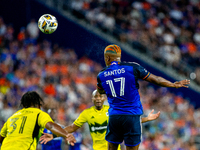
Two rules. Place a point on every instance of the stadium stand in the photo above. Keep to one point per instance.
(61, 77)
(167, 31)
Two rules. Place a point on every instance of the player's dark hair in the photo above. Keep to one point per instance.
(31, 98)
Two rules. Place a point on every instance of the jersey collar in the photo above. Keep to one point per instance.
(114, 63)
(99, 110)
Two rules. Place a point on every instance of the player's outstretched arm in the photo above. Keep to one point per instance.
(165, 83)
(57, 130)
(46, 137)
(151, 116)
(71, 128)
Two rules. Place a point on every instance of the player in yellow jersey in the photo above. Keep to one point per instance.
(97, 119)
(21, 130)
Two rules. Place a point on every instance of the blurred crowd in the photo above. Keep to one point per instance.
(66, 83)
(177, 128)
(166, 30)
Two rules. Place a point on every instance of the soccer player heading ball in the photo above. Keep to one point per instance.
(119, 81)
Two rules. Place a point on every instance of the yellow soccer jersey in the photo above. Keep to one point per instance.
(21, 130)
(97, 121)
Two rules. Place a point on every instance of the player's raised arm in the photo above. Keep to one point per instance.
(165, 83)
(56, 129)
(151, 116)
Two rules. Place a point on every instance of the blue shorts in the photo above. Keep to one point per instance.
(124, 127)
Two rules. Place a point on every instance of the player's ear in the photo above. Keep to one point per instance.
(107, 58)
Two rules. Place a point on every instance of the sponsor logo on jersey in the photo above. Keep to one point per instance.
(98, 128)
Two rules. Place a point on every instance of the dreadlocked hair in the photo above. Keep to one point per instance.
(31, 98)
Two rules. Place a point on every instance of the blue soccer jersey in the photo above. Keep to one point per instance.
(79, 138)
(120, 82)
(55, 144)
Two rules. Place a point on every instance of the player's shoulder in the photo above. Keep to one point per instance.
(36, 111)
(43, 114)
(17, 113)
(106, 107)
(129, 63)
(88, 110)
(103, 70)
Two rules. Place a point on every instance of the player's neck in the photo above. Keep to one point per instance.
(33, 107)
(98, 108)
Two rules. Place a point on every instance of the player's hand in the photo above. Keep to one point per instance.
(70, 139)
(182, 83)
(152, 116)
(46, 137)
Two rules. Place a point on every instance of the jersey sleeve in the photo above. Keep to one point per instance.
(43, 119)
(81, 119)
(4, 130)
(141, 72)
(99, 85)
